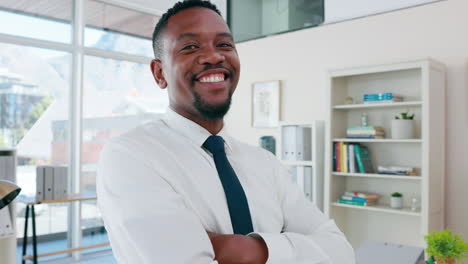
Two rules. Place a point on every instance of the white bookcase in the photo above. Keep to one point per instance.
(422, 84)
(317, 131)
(8, 172)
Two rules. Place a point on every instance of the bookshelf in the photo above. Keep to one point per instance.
(8, 172)
(316, 135)
(422, 84)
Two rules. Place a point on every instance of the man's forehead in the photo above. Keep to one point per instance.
(195, 21)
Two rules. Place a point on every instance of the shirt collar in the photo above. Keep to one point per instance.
(192, 130)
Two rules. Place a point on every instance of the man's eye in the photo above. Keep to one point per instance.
(190, 47)
(223, 45)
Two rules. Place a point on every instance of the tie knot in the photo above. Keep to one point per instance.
(214, 144)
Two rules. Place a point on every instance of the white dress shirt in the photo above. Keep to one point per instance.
(159, 193)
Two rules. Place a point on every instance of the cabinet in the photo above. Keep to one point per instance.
(422, 85)
(8, 216)
(310, 162)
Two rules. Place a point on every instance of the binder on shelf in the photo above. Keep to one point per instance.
(308, 182)
(48, 183)
(60, 187)
(303, 143)
(302, 176)
(289, 143)
(40, 187)
(6, 227)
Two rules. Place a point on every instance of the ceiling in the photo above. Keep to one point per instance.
(103, 14)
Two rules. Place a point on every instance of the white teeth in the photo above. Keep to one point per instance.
(213, 78)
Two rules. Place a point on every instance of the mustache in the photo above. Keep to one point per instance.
(213, 66)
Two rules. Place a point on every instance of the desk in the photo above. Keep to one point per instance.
(30, 203)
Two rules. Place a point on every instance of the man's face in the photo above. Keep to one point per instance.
(199, 63)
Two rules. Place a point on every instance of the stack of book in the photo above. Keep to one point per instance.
(359, 198)
(353, 158)
(381, 98)
(396, 170)
(372, 132)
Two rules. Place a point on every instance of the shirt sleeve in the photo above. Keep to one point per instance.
(308, 236)
(146, 219)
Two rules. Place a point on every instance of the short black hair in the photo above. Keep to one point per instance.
(162, 23)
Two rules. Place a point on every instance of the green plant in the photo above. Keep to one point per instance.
(445, 245)
(405, 116)
(397, 194)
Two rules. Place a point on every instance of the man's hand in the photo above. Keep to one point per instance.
(238, 249)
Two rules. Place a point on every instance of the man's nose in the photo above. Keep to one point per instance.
(211, 56)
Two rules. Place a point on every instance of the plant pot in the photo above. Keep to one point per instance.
(446, 261)
(396, 202)
(402, 129)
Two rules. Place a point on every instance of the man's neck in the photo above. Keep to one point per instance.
(212, 125)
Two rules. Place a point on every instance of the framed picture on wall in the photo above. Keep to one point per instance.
(266, 104)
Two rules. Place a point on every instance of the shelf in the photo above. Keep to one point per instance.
(378, 176)
(297, 162)
(380, 208)
(8, 236)
(385, 140)
(378, 105)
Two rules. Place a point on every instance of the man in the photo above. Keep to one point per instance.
(180, 190)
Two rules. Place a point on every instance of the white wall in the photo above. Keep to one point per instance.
(339, 10)
(300, 59)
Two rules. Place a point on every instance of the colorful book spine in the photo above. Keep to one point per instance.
(338, 156)
(362, 195)
(344, 156)
(334, 157)
(352, 202)
(357, 151)
(354, 198)
(366, 160)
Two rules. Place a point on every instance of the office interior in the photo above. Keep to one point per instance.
(59, 59)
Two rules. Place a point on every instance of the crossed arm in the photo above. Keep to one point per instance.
(238, 249)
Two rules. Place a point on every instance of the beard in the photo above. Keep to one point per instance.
(211, 112)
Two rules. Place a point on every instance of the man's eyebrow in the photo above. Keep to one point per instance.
(225, 34)
(193, 35)
(187, 35)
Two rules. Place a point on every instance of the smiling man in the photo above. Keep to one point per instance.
(181, 190)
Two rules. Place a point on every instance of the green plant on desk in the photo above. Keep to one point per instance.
(397, 194)
(446, 247)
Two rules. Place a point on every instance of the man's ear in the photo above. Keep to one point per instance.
(156, 69)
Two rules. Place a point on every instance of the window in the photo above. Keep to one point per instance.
(35, 97)
(259, 18)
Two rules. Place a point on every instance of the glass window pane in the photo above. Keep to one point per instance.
(260, 18)
(38, 19)
(34, 94)
(118, 29)
(131, 98)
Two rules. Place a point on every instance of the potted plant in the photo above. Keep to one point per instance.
(402, 127)
(396, 201)
(446, 247)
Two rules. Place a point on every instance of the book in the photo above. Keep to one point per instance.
(365, 128)
(353, 202)
(338, 156)
(363, 159)
(357, 151)
(359, 199)
(344, 157)
(334, 157)
(365, 137)
(366, 159)
(352, 167)
(363, 195)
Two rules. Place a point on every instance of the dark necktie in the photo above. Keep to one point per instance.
(235, 195)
